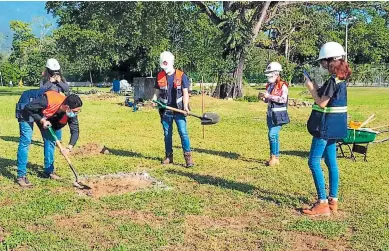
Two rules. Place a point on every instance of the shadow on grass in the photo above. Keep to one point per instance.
(302, 154)
(125, 153)
(224, 154)
(16, 139)
(262, 194)
(7, 164)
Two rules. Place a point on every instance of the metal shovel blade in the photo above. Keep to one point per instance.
(210, 118)
(79, 185)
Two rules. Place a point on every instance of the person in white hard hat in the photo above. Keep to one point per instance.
(53, 79)
(172, 89)
(276, 95)
(327, 124)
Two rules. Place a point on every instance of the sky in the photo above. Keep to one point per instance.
(24, 11)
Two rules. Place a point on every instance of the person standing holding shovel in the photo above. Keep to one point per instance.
(172, 89)
(327, 123)
(276, 96)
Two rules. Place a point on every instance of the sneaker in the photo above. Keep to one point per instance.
(23, 182)
(318, 209)
(52, 176)
(333, 204)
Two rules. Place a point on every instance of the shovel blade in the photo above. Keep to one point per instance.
(210, 118)
(81, 186)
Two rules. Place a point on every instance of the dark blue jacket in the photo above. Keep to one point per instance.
(26, 98)
(330, 122)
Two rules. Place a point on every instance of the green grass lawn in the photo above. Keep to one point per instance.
(229, 201)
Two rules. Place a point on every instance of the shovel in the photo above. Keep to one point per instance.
(208, 118)
(76, 183)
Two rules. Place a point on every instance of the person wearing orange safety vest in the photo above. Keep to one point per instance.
(48, 110)
(276, 96)
(172, 89)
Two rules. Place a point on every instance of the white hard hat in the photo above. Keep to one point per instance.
(273, 67)
(53, 64)
(168, 57)
(331, 50)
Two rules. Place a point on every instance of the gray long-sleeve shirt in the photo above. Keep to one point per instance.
(58, 87)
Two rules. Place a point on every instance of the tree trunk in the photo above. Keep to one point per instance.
(237, 90)
(90, 76)
(234, 89)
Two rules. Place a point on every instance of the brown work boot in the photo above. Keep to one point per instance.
(23, 182)
(52, 176)
(273, 161)
(168, 159)
(318, 209)
(188, 159)
(333, 204)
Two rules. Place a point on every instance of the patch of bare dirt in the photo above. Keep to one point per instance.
(88, 228)
(217, 233)
(90, 149)
(306, 242)
(116, 184)
(138, 217)
(99, 96)
(204, 222)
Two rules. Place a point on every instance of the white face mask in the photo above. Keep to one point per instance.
(167, 64)
(273, 78)
(169, 70)
(322, 70)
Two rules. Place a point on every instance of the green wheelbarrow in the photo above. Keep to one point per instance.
(358, 140)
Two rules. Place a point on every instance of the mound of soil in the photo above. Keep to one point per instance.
(90, 149)
(116, 184)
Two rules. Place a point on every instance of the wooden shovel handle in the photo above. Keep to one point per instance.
(58, 143)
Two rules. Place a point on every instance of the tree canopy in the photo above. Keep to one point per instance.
(228, 41)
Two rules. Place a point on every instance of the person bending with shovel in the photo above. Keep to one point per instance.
(51, 110)
(172, 89)
(276, 96)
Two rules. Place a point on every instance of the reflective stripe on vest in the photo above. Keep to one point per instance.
(54, 101)
(334, 109)
(278, 109)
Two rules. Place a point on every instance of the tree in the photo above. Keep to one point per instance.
(240, 22)
(29, 53)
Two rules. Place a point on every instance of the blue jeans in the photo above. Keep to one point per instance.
(167, 124)
(26, 130)
(274, 142)
(327, 149)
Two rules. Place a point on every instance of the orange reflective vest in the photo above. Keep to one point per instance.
(163, 87)
(54, 102)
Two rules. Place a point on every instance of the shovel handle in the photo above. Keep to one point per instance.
(58, 143)
(170, 108)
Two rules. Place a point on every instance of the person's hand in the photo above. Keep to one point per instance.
(263, 95)
(309, 84)
(46, 124)
(153, 103)
(186, 109)
(57, 78)
(65, 151)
